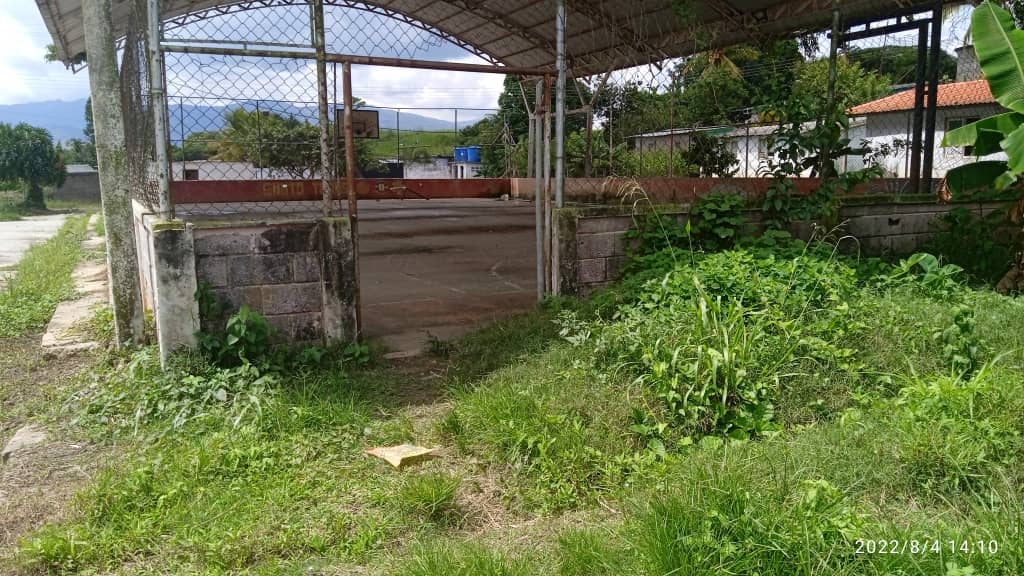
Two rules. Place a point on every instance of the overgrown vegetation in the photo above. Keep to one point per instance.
(773, 407)
(41, 280)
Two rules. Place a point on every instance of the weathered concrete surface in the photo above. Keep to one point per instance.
(18, 236)
(273, 267)
(338, 267)
(63, 336)
(174, 287)
(443, 268)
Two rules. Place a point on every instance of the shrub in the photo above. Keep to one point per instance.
(984, 246)
(718, 220)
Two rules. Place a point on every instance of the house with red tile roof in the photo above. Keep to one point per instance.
(885, 125)
(888, 122)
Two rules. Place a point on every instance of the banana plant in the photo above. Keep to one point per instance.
(1000, 47)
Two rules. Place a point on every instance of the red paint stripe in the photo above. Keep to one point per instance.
(223, 191)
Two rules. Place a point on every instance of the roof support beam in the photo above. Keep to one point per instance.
(611, 25)
(359, 60)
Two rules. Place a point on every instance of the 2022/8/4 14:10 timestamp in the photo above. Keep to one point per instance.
(927, 546)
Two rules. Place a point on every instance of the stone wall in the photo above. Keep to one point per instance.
(592, 240)
(274, 269)
(300, 274)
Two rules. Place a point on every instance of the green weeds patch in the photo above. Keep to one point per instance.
(42, 279)
(771, 409)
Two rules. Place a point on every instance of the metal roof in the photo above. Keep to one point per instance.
(602, 35)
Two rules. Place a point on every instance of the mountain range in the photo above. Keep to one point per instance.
(65, 119)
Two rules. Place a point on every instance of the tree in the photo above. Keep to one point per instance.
(284, 145)
(710, 156)
(899, 63)
(717, 97)
(28, 156)
(78, 151)
(999, 44)
(856, 85)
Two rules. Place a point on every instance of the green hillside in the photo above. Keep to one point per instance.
(414, 143)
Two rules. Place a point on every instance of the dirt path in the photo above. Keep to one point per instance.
(38, 482)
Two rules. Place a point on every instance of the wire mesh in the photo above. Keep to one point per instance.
(735, 111)
(255, 118)
(137, 110)
(716, 113)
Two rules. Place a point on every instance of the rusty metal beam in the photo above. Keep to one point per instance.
(359, 60)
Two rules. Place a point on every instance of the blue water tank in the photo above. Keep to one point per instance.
(473, 154)
(461, 154)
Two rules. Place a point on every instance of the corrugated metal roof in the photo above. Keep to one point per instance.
(950, 95)
(601, 35)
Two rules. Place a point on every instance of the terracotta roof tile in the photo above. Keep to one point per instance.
(953, 94)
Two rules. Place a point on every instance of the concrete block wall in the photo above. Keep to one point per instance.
(592, 241)
(275, 269)
(299, 274)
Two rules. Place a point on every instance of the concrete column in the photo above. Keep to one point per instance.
(110, 145)
(174, 286)
(338, 271)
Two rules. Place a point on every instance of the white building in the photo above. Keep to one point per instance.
(750, 144)
(884, 125)
(890, 122)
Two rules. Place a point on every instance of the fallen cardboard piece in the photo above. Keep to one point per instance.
(403, 454)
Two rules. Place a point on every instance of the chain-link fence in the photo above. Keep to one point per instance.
(243, 106)
(137, 110)
(251, 115)
(772, 107)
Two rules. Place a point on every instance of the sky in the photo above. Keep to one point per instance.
(27, 78)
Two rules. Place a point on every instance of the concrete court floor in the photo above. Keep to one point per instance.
(442, 267)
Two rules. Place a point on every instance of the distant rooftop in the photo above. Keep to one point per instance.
(950, 95)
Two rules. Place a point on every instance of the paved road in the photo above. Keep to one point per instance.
(16, 237)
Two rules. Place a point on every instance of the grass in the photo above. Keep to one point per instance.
(430, 497)
(42, 279)
(415, 143)
(560, 454)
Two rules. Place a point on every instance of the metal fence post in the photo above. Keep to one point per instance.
(538, 190)
(158, 104)
(560, 24)
(928, 164)
(326, 163)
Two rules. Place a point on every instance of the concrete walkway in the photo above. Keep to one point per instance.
(16, 237)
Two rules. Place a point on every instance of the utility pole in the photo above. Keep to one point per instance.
(104, 85)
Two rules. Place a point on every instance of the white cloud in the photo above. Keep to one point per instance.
(26, 77)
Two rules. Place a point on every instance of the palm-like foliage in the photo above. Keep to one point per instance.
(1000, 47)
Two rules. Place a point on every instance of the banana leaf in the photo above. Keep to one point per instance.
(985, 135)
(969, 178)
(1000, 48)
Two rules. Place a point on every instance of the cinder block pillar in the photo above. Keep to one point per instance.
(174, 286)
(338, 266)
